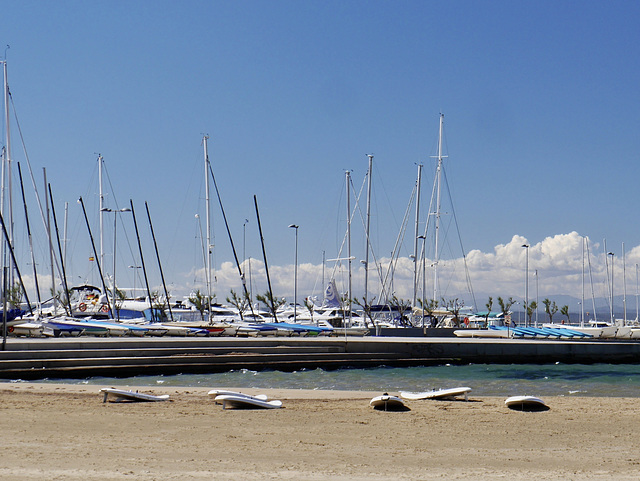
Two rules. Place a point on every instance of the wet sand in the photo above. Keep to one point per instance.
(66, 432)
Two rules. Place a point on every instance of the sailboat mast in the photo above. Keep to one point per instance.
(415, 240)
(438, 205)
(624, 287)
(101, 209)
(6, 174)
(26, 217)
(205, 138)
(48, 227)
(348, 179)
(366, 254)
(582, 303)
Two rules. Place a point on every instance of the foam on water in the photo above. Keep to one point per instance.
(619, 380)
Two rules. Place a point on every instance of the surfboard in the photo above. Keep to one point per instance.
(122, 395)
(438, 394)
(387, 402)
(244, 401)
(526, 403)
(221, 392)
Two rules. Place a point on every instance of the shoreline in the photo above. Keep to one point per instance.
(65, 431)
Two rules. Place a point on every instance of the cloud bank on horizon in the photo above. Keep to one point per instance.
(555, 267)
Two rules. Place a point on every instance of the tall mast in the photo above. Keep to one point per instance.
(366, 254)
(417, 233)
(51, 254)
(6, 171)
(437, 213)
(26, 218)
(582, 300)
(208, 220)
(624, 287)
(348, 179)
(100, 209)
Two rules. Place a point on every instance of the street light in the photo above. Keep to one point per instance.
(115, 223)
(526, 285)
(295, 277)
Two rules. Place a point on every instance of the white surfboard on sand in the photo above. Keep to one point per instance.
(245, 401)
(438, 394)
(525, 403)
(221, 392)
(122, 395)
(386, 402)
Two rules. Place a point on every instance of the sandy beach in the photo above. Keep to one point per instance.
(66, 432)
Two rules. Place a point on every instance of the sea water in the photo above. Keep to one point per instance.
(612, 380)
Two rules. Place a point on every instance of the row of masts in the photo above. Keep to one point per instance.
(418, 235)
(7, 207)
(57, 260)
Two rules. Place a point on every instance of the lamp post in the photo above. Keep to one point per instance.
(295, 277)
(115, 223)
(526, 286)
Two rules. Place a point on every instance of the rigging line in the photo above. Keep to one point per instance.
(33, 182)
(368, 243)
(233, 247)
(64, 274)
(396, 249)
(15, 264)
(399, 240)
(117, 207)
(593, 296)
(455, 220)
(28, 225)
(386, 196)
(344, 238)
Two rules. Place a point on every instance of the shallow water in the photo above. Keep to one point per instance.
(611, 380)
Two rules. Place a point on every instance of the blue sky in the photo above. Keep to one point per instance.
(541, 120)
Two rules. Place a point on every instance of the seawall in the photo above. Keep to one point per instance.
(123, 357)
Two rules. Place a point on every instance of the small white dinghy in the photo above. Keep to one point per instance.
(122, 395)
(245, 401)
(450, 393)
(386, 402)
(526, 403)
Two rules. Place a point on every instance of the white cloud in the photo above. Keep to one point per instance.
(555, 268)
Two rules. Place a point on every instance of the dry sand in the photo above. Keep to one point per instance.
(65, 432)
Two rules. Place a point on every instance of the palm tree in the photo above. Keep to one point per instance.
(564, 310)
(506, 308)
(402, 306)
(454, 306)
(272, 303)
(550, 308)
(366, 307)
(200, 302)
(428, 308)
(529, 309)
(239, 302)
(488, 305)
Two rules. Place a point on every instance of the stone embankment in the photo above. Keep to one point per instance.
(84, 357)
